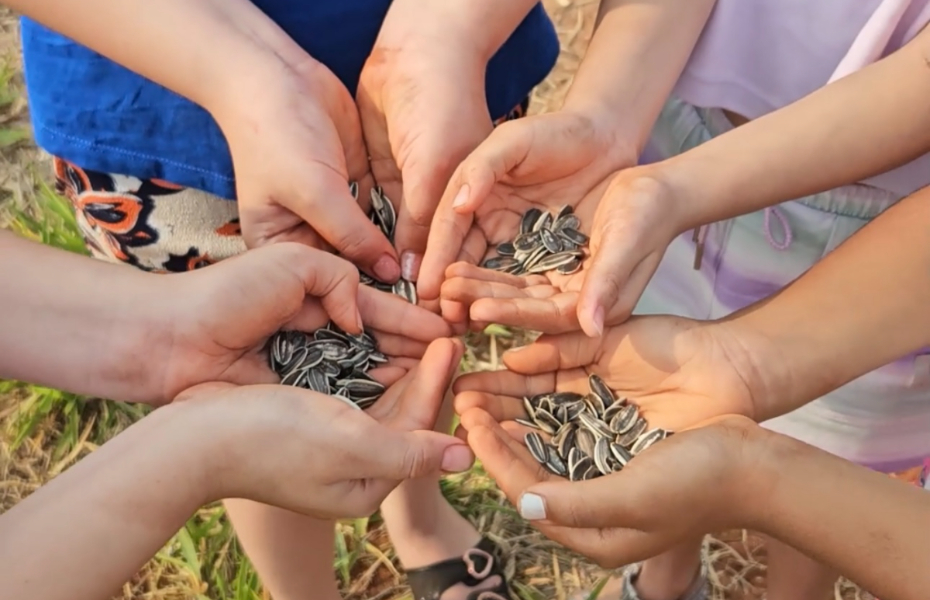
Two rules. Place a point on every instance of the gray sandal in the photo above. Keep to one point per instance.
(698, 590)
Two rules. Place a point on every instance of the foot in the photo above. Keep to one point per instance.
(475, 575)
(635, 586)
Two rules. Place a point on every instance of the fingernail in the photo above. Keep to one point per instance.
(532, 507)
(457, 458)
(410, 265)
(599, 320)
(358, 320)
(462, 197)
(387, 269)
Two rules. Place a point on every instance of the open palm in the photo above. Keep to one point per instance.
(676, 370)
(544, 161)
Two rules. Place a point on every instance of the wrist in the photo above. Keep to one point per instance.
(764, 459)
(761, 362)
(475, 29)
(196, 437)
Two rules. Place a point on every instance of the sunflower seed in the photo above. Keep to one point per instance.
(550, 241)
(629, 438)
(506, 249)
(592, 435)
(556, 464)
(602, 456)
(585, 441)
(537, 447)
(646, 440)
(500, 263)
(529, 219)
(625, 420)
(546, 421)
(621, 454)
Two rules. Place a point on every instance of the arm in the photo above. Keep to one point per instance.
(826, 508)
(866, 302)
(101, 520)
(857, 127)
(215, 40)
(477, 28)
(64, 304)
(98, 522)
(638, 51)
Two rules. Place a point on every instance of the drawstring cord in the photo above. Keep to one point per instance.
(700, 234)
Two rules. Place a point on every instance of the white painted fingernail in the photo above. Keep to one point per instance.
(532, 507)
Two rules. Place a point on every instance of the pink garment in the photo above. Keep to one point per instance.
(756, 56)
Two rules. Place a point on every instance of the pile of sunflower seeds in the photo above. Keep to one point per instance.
(384, 216)
(330, 361)
(547, 242)
(591, 435)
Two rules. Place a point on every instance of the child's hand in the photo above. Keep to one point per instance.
(320, 456)
(635, 220)
(679, 372)
(296, 142)
(423, 109)
(220, 318)
(693, 483)
(547, 161)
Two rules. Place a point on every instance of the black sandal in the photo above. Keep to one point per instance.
(475, 566)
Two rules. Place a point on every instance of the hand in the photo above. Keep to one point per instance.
(220, 318)
(320, 456)
(544, 161)
(633, 225)
(423, 108)
(693, 483)
(679, 372)
(296, 143)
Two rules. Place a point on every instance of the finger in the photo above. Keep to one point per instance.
(552, 353)
(631, 293)
(311, 317)
(474, 247)
(447, 233)
(510, 464)
(388, 375)
(499, 406)
(506, 383)
(430, 380)
(460, 289)
(331, 279)
(500, 153)
(401, 455)
(391, 314)
(326, 203)
(395, 345)
(554, 315)
(203, 390)
(455, 314)
(616, 243)
(473, 271)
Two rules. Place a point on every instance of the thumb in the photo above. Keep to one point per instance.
(411, 455)
(331, 279)
(595, 503)
(615, 253)
(471, 183)
(501, 152)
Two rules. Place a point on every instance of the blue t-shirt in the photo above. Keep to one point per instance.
(88, 110)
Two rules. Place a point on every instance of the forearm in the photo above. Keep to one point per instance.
(864, 524)
(201, 47)
(478, 27)
(857, 127)
(96, 524)
(638, 52)
(862, 306)
(77, 324)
